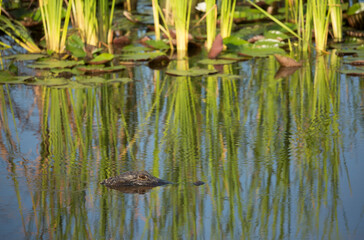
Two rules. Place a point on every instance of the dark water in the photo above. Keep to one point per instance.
(281, 158)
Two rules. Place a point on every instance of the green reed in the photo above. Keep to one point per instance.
(211, 18)
(55, 35)
(336, 19)
(321, 20)
(182, 13)
(93, 19)
(19, 34)
(226, 17)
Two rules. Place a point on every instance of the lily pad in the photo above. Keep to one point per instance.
(354, 72)
(90, 80)
(49, 82)
(75, 45)
(260, 51)
(119, 80)
(274, 34)
(193, 72)
(233, 56)
(140, 56)
(25, 57)
(52, 63)
(100, 68)
(7, 77)
(269, 42)
(234, 40)
(216, 61)
(157, 44)
(102, 58)
(133, 48)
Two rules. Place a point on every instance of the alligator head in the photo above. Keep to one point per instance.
(134, 179)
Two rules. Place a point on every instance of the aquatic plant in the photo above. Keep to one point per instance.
(227, 9)
(84, 15)
(55, 35)
(336, 19)
(321, 23)
(211, 17)
(18, 33)
(93, 20)
(182, 13)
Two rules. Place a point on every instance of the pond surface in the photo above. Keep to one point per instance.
(281, 158)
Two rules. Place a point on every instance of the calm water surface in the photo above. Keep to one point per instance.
(281, 158)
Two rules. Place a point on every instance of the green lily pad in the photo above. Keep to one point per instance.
(354, 72)
(216, 61)
(75, 45)
(268, 43)
(119, 80)
(193, 72)
(260, 51)
(49, 82)
(73, 71)
(7, 77)
(90, 79)
(145, 56)
(275, 34)
(52, 63)
(25, 57)
(233, 56)
(157, 44)
(100, 68)
(356, 8)
(133, 48)
(234, 40)
(102, 58)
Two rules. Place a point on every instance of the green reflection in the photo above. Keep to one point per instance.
(270, 152)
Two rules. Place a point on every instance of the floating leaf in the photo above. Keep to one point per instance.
(7, 77)
(354, 72)
(100, 68)
(233, 56)
(145, 56)
(275, 34)
(75, 45)
(49, 82)
(216, 61)
(193, 72)
(255, 51)
(90, 79)
(52, 63)
(133, 48)
(157, 44)
(102, 58)
(25, 57)
(119, 80)
(269, 42)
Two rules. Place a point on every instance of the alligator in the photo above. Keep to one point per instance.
(137, 182)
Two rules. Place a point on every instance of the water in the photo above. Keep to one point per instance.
(282, 159)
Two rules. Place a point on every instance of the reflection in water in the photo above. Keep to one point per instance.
(270, 151)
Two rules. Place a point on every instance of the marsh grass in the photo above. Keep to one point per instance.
(55, 35)
(182, 14)
(321, 19)
(226, 17)
(211, 18)
(19, 34)
(336, 19)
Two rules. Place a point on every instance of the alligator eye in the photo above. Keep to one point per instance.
(142, 177)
